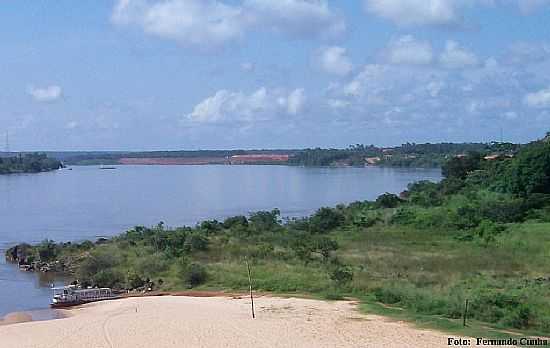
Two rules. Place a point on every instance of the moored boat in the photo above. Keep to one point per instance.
(71, 295)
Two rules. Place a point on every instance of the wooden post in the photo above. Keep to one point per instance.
(250, 288)
(465, 313)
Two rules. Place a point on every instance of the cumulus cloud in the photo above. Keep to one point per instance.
(295, 101)
(211, 23)
(407, 50)
(299, 18)
(456, 57)
(262, 105)
(540, 99)
(334, 60)
(46, 94)
(417, 12)
(193, 22)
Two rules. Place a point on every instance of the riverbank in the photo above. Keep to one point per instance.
(177, 321)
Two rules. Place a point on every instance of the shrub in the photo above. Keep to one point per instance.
(425, 193)
(95, 262)
(341, 274)
(326, 219)
(47, 250)
(108, 278)
(459, 167)
(235, 220)
(194, 275)
(388, 200)
(151, 265)
(195, 241)
(135, 281)
(264, 220)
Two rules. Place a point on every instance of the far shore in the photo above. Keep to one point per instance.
(207, 319)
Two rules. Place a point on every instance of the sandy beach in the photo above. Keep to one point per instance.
(178, 321)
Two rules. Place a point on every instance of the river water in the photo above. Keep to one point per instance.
(87, 203)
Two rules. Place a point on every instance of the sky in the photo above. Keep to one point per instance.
(228, 74)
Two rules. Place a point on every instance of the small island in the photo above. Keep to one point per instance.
(28, 163)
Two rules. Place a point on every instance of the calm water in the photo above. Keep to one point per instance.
(87, 203)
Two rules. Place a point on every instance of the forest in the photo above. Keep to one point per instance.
(28, 163)
(482, 234)
(407, 155)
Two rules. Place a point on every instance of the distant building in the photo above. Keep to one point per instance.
(372, 160)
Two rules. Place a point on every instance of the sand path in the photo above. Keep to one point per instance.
(176, 321)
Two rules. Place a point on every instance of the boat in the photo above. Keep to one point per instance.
(106, 167)
(71, 295)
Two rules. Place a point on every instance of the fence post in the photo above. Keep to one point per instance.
(465, 313)
(250, 288)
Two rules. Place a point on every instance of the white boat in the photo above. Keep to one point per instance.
(71, 295)
(106, 167)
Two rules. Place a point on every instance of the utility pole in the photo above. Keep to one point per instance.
(7, 142)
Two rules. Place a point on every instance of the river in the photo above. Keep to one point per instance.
(88, 203)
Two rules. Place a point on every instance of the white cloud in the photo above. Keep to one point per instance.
(338, 103)
(298, 18)
(71, 125)
(456, 57)
(295, 101)
(211, 23)
(417, 12)
(434, 88)
(262, 105)
(407, 50)
(248, 67)
(190, 22)
(46, 94)
(334, 60)
(540, 99)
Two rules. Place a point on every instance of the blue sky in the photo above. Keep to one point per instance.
(207, 74)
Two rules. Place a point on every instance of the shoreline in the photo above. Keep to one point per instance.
(35, 315)
(26, 316)
(219, 319)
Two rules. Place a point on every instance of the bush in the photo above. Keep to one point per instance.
(326, 219)
(47, 250)
(235, 220)
(135, 281)
(195, 242)
(264, 220)
(211, 226)
(425, 193)
(97, 261)
(194, 275)
(341, 275)
(151, 265)
(388, 200)
(108, 278)
(460, 167)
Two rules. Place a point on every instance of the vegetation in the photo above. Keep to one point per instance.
(482, 234)
(28, 163)
(406, 155)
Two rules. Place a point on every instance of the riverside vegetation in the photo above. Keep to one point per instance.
(28, 163)
(482, 234)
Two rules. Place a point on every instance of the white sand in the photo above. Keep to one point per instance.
(177, 321)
